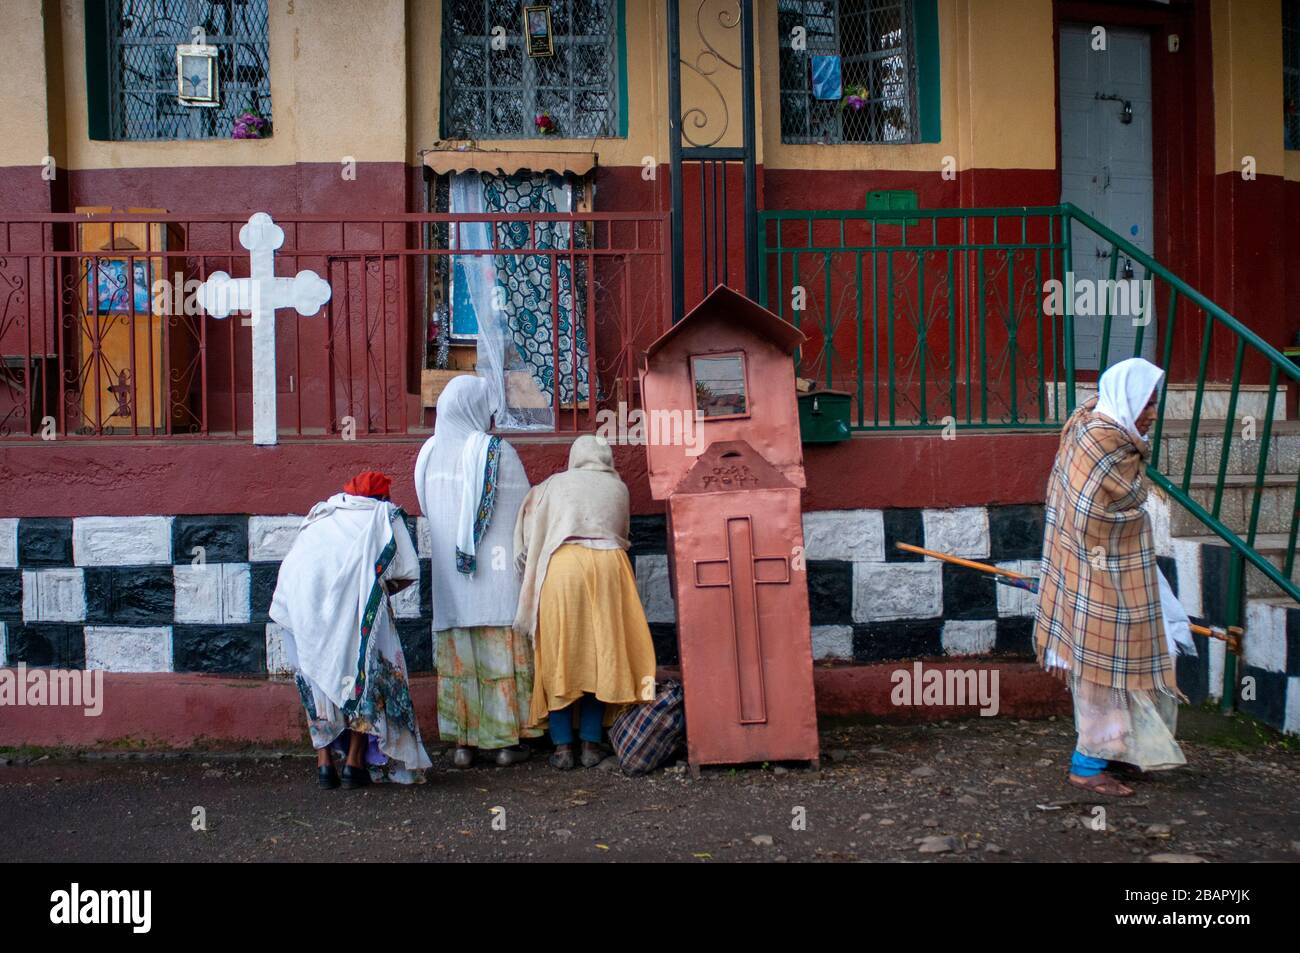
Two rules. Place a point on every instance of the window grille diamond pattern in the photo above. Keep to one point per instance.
(1291, 73)
(490, 93)
(143, 35)
(876, 43)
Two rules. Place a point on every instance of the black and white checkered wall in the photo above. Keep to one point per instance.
(191, 594)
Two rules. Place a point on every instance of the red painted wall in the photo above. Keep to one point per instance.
(134, 478)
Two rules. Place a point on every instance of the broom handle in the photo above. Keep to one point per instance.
(985, 567)
(958, 561)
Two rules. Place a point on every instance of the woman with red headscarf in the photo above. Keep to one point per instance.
(333, 598)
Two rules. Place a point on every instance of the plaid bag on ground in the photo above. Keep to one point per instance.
(646, 736)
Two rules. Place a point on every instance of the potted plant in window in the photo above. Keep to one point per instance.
(250, 124)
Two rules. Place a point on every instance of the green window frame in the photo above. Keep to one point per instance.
(889, 46)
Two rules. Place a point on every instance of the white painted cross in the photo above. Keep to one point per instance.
(261, 295)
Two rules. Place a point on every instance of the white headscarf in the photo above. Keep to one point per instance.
(1125, 388)
(449, 481)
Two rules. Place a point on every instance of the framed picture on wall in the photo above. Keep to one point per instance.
(537, 28)
(196, 75)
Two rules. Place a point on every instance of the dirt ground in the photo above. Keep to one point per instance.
(978, 791)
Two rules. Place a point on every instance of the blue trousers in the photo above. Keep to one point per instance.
(1086, 767)
(591, 712)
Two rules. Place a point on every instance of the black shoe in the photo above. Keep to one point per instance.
(354, 778)
(327, 777)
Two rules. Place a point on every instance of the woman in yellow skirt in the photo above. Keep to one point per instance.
(579, 602)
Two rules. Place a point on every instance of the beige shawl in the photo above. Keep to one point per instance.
(587, 501)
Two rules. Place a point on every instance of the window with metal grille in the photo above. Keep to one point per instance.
(142, 36)
(492, 88)
(1291, 73)
(876, 44)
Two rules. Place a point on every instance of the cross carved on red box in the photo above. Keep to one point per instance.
(751, 570)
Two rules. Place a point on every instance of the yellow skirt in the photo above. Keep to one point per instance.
(592, 634)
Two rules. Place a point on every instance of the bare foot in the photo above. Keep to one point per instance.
(1101, 784)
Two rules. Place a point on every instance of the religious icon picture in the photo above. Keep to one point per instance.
(113, 293)
(196, 75)
(537, 27)
(720, 385)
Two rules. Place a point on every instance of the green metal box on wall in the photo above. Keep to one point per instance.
(904, 200)
(824, 416)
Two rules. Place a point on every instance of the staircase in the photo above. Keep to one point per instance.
(1198, 563)
(1226, 511)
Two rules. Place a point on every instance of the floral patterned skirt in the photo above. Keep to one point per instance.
(485, 685)
(384, 712)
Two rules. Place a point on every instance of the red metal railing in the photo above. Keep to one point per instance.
(101, 335)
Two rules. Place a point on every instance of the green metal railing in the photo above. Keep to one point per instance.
(931, 320)
(942, 318)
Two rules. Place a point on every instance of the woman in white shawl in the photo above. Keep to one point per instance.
(471, 484)
(332, 599)
(580, 602)
(1108, 622)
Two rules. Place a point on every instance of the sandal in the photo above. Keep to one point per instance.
(562, 759)
(592, 754)
(515, 754)
(1102, 784)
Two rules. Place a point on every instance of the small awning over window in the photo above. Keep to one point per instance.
(446, 161)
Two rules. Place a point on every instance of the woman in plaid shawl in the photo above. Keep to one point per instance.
(1100, 625)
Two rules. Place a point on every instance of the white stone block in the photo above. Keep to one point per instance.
(8, 544)
(122, 540)
(856, 535)
(832, 642)
(1291, 717)
(211, 593)
(963, 531)
(1157, 507)
(969, 636)
(883, 591)
(1217, 654)
(280, 657)
(54, 595)
(423, 538)
(406, 604)
(1013, 601)
(1187, 562)
(653, 584)
(1265, 643)
(127, 648)
(269, 537)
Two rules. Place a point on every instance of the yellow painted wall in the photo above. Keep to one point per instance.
(363, 80)
(986, 50)
(338, 88)
(1247, 51)
(24, 108)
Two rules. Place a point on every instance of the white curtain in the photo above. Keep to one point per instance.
(497, 352)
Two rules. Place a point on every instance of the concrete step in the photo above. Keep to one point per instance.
(1252, 400)
(1277, 504)
(1243, 454)
(1272, 546)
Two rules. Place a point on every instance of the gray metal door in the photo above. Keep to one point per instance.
(1106, 170)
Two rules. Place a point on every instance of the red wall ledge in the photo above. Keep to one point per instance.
(199, 477)
(207, 711)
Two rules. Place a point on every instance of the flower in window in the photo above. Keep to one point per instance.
(250, 125)
(545, 124)
(855, 98)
